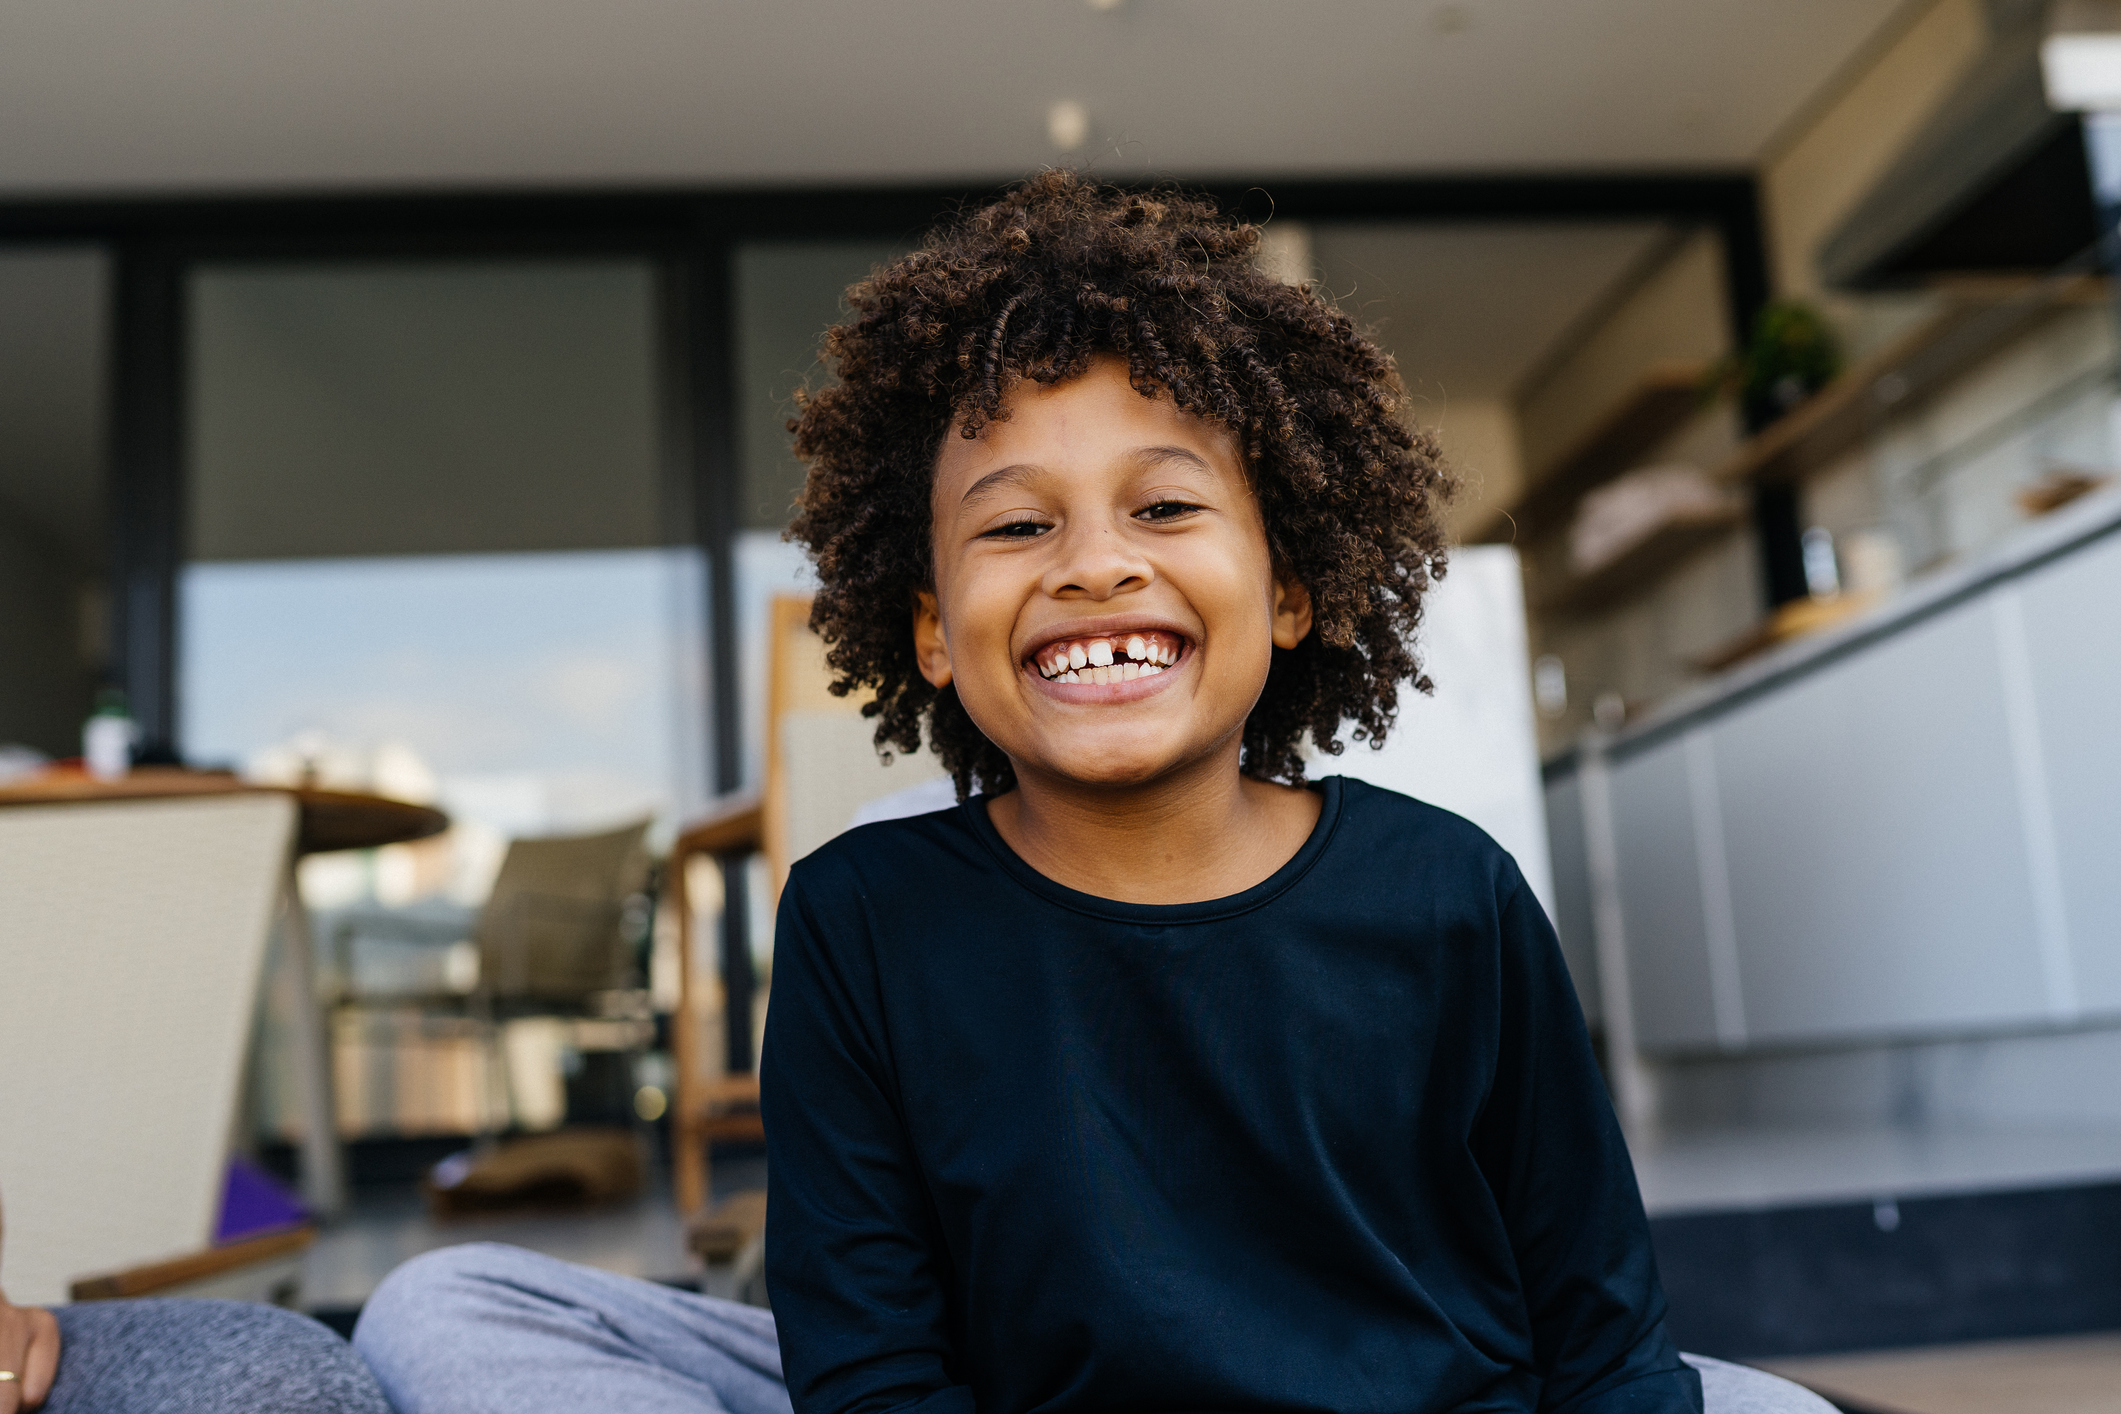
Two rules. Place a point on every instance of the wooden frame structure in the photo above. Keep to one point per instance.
(806, 796)
(705, 1109)
(710, 1108)
(236, 1261)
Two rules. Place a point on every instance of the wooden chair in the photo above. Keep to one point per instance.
(132, 939)
(550, 937)
(550, 930)
(821, 766)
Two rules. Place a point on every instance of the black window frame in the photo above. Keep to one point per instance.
(691, 236)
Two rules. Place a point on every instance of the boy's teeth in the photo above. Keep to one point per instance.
(1104, 660)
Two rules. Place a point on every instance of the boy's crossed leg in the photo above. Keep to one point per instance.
(484, 1327)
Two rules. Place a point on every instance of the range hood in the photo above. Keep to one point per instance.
(1995, 183)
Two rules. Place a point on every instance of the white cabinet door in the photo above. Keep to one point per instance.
(1878, 871)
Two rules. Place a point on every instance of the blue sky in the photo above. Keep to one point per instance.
(553, 664)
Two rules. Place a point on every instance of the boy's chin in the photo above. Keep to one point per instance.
(1101, 767)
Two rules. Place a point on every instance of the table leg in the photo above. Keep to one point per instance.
(323, 1164)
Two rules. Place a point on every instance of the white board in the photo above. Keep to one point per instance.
(132, 934)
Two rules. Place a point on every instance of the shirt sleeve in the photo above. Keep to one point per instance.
(855, 1264)
(1553, 1154)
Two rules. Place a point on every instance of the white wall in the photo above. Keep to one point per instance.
(1473, 747)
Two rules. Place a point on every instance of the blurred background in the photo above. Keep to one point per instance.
(392, 404)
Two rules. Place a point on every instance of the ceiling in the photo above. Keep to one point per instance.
(109, 97)
(1470, 310)
(118, 96)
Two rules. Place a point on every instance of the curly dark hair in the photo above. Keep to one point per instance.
(1059, 270)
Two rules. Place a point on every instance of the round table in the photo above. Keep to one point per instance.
(328, 820)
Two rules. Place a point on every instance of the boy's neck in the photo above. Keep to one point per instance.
(1202, 832)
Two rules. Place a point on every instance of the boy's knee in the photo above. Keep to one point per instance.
(422, 1298)
(446, 1270)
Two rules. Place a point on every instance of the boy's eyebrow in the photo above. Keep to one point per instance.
(1156, 456)
(1020, 472)
(996, 480)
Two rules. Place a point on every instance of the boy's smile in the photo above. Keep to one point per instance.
(1105, 600)
(1106, 654)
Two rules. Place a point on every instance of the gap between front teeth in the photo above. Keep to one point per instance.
(1094, 660)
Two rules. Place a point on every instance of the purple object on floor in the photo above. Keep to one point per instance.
(253, 1202)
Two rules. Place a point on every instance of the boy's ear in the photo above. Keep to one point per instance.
(930, 649)
(1292, 612)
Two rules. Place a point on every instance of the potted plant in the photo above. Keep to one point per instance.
(1792, 354)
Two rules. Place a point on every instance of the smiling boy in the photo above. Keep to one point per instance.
(1150, 1077)
(1112, 608)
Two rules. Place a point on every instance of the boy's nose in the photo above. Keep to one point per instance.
(1097, 564)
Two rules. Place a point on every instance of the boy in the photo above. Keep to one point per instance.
(1148, 1077)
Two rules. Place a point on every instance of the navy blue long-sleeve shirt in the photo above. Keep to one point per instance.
(1333, 1143)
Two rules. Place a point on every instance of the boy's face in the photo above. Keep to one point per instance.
(1104, 598)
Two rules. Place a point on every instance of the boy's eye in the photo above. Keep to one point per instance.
(1016, 530)
(1165, 510)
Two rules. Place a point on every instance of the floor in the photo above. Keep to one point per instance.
(1768, 1169)
(643, 1238)
(2063, 1375)
(1719, 1170)
(2068, 1375)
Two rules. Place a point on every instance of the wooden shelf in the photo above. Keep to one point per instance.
(1662, 399)
(1975, 321)
(1643, 564)
(1793, 620)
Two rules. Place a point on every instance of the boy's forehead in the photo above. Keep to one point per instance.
(1095, 416)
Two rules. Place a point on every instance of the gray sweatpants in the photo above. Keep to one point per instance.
(484, 1327)
(487, 1329)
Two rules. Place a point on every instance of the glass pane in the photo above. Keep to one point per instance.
(430, 552)
(423, 409)
(54, 311)
(787, 295)
(542, 692)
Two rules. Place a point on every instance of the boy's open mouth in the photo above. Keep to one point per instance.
(1108, 658)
